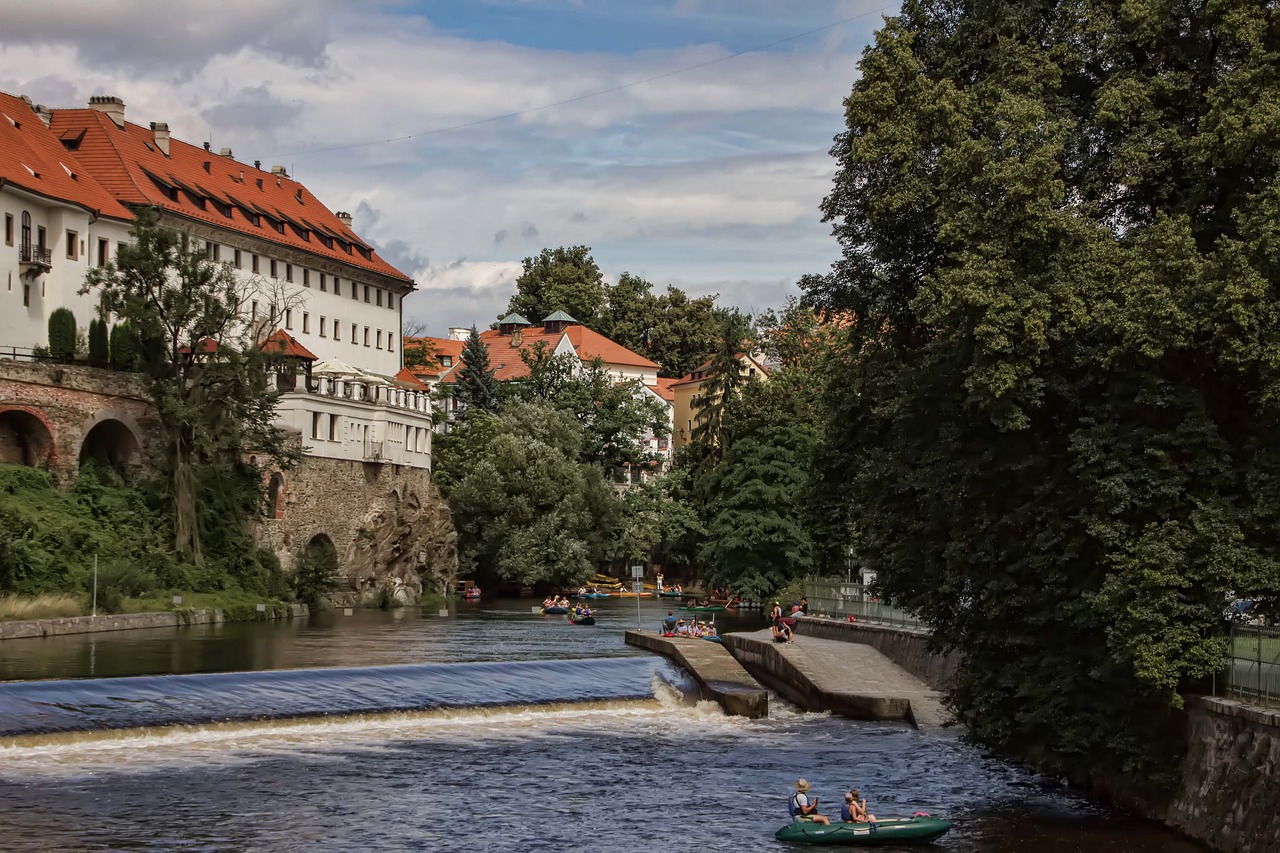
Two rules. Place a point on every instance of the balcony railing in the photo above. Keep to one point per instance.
(31, 255)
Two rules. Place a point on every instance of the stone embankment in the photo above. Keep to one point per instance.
(36, 628)
(846, 678)
(719, 676)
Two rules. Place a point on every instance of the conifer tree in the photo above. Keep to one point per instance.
(476, 387)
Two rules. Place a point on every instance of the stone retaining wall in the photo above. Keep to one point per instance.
(35, 628)
(907, 647)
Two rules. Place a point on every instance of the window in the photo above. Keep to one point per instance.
(337, 286)
(379, 295)
(73, 240)
(275, 273)
(389, 347)
(390, 300)
(316, 419)
(288, 272)
(355, 294)
(8, 229)
(288, 318)
(333, 427)
(366, 293)
(104, 251)
(255, 263)
(323, 286)
(238, 260)
(322, 326)
(446, 361)
(337, 329)
(306, 278)
(253, 310)
(26, 294)
(306, 323)
(366, 335)
(379, 339)
(355, 330)
(211, 250)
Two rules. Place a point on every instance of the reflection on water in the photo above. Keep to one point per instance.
(606, 773)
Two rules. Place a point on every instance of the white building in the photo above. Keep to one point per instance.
(76, 175)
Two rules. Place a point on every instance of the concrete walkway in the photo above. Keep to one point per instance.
(845, 678)
(718, 674)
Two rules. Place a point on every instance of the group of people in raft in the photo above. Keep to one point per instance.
(804, 807)
(673, 627)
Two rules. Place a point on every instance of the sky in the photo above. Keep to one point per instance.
(401, 112)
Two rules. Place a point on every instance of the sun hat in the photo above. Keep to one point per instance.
(802, 785)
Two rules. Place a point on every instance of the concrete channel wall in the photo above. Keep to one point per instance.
(907, 647)
(36, 628)
(719, 676)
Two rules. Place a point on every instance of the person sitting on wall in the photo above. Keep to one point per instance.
(804, 604)
(782, 633)
(682, 630)
(669, 625)
(802, 807)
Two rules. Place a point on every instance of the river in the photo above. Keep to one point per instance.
(490, 729)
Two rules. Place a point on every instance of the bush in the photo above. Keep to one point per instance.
(62, 335)
(124, 347)
(118, 581)
(98, 347)
(314, 575)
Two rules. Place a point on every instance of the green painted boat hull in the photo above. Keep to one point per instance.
(917, 830)
(715, 608)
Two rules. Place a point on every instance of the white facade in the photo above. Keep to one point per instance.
(360, 421)
(73, 241)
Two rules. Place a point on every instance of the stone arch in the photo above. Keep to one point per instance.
(111, 443)
(25, 437)
(275, 496)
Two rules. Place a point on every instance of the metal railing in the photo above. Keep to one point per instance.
(30, 253)
(1253, 664)
(834, 597)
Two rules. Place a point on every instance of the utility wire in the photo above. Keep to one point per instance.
(588, 95)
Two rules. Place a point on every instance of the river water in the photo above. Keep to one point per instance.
(490, 729)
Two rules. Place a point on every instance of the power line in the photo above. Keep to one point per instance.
(588, 95)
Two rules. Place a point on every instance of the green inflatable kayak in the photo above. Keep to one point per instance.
(884, 833)
(710, 608)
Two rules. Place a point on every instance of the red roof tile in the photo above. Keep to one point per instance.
(505, 361)
(664, 390)
(440, 347)
(282, 343)
(407, 378)
(194, 183)
(32, 157)
(207, 346)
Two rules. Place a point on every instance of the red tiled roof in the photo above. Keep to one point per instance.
(207, 346)
(407, 378)
(129, 164)
(440, 347)
(505, 361)
(282, 343)
(664, 390)
(27, 147)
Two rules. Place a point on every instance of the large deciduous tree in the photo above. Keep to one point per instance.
(206, 375)
(1057, 434)
(560, 279)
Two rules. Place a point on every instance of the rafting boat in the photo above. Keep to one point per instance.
(883, 833)
(582, 620)
(667, 594)
(710, 608)
(555, 610)
(594, 595)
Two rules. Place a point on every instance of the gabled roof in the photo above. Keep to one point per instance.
(440, 347)
(504, 355)
(664, 390)
(197, 184)
(282, 343)
(34, 159)
(404, 377)
(559, 317)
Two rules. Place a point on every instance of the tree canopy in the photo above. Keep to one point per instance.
(476, 388)
(560, 279)
(1056, 431)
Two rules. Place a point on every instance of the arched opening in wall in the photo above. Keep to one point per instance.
(110, 445)
(24, 439)
(275, 496)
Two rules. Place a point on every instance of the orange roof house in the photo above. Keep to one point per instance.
(445, 353)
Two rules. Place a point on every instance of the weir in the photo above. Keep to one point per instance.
(719, 676)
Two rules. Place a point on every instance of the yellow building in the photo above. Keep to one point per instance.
(689, 396)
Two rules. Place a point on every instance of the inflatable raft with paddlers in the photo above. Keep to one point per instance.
(582, 620)
(890, 832)
(709, 608)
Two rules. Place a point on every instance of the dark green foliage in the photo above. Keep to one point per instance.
(124, 347)
(98, 348)
(727, 376)
(476, 388)
(62, 335)
(1058, 438)
(560, 279)
(315, 574)
(671, 329)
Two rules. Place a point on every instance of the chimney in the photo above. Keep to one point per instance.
(257, 164)
(458, 333)
(225, 152)
(344, 217)
(208, 146)
(111, 105)
(517, 337)
(160, 130)
(44, 113)
(279, 171)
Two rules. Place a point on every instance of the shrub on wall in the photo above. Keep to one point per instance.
(62, 336)
(124, 347)
(98, 348)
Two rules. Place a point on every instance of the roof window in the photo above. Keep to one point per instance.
(70, 174)
(11, 121)
(33, 172)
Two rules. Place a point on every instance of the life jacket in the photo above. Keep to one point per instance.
(844, 813)
(793, 807)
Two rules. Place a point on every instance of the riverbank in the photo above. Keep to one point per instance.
(37, 628)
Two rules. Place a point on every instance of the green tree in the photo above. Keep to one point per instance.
(476, 388)
(726, 376)
(560, 279)
(206, 377)
(1057, 423)
(671, 329)
(99, 350)
(124, 349)
(62, 335)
